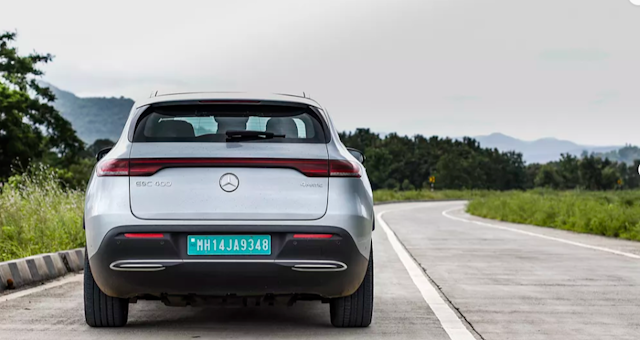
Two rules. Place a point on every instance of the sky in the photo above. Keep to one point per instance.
(568, 69)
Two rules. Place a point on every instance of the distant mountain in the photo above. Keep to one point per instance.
(539, 151)
(93, 117)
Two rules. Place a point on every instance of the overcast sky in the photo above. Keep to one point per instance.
(539, 68)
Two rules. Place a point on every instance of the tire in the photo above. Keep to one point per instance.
(355, 310)
(101, 310)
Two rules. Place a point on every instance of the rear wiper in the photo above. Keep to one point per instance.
(244, 135)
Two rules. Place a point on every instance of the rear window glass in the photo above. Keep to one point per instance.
(213, 123)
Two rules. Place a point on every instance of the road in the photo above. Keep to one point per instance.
(482, 279)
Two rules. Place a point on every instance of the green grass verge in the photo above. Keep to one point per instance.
(614, 214)
(37, 216)
(380, 196)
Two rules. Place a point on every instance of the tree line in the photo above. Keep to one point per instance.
(406, 163)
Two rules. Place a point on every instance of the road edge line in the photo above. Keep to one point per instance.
(449, 320)
(445, 213)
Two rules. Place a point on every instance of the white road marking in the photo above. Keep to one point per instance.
(19, 294)
(578, 244)
(448, 318)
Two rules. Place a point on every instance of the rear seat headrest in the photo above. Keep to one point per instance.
(174, 128)
(283, 126)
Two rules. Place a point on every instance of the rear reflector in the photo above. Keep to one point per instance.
(143, 235)
(312, 236)
(149, 166)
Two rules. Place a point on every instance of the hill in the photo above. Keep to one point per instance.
(539, 151)
(93, 117)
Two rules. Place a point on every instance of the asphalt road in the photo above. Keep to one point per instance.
(486, 280)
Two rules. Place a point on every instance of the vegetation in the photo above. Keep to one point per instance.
(30, 128)
(385, 195)
(628, 154)
(38, 216)
(406, 163)
(614, 214)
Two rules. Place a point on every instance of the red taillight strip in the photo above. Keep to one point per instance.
(113, 167)
(340, 168)
(308, 167)
(312, 236)
(143, 235)
(149, 166)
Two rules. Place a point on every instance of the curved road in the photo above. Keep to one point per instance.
(440, 274)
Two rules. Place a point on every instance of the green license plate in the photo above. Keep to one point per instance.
(229, 245)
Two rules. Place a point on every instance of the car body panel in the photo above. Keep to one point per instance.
(197, 193)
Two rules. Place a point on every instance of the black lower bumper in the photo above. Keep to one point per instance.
(134, 267)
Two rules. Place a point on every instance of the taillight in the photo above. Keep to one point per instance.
(308, 167)
(341, 168)
(113, 167)
(149, 166)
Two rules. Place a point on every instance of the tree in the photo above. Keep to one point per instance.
(548, 177)
(99, 144)
(30, 128)
(590, 170)
(569, 170)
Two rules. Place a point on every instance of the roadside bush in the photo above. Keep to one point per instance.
(38, 216)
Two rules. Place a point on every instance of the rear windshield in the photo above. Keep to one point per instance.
(211, 123)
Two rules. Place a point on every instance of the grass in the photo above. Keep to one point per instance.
(614, 214)
(380, 196)
(37, 216)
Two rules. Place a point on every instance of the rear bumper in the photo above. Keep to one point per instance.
(131, 267)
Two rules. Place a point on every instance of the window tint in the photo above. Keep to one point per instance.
(210, 123)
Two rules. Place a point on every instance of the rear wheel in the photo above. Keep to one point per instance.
(355, 310)
(101, 310)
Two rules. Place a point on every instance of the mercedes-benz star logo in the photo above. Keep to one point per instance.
(229, 182)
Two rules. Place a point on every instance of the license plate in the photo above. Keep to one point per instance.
(229, 245)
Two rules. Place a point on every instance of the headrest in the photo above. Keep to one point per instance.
(283, 126)
(231, 123)
(174, 128)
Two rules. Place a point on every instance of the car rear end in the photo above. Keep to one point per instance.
(214, 199)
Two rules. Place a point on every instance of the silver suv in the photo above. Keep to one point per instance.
(229, 198)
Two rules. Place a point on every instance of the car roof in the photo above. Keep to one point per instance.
(188, 96)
